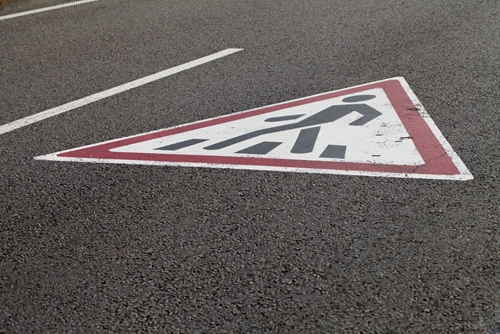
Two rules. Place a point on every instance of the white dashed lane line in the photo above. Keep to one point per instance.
(40, 10)
(112, 91)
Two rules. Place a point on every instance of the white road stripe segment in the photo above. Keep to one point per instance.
(35, 11)
(112, 91)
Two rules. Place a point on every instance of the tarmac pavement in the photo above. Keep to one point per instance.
(87, 247)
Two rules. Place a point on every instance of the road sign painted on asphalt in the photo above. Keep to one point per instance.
(376, 129)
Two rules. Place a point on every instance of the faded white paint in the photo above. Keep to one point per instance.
(380, 141)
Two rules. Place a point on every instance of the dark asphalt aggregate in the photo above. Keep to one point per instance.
(103, 248)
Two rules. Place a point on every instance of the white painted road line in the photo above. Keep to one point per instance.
(35, 11)
(112, 91)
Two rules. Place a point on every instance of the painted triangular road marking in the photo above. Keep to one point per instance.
(376, 129)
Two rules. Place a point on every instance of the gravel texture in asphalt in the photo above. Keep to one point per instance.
(125, 248)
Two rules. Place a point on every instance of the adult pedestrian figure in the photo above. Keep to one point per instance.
(310, 126)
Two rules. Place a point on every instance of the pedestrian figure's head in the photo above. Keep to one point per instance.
(358, 98)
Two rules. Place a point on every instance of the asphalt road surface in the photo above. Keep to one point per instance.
(97, 248)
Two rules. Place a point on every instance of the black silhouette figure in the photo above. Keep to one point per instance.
(310, 129)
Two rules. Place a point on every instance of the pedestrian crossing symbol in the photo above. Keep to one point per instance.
(376, 129)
